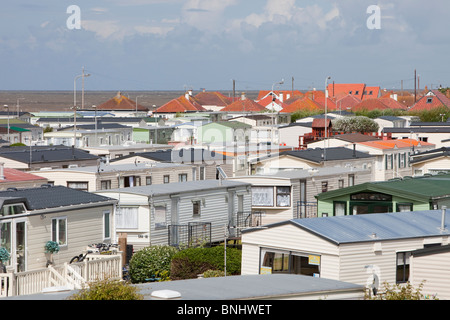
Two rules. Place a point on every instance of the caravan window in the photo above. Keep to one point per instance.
(59, 230)
(277, 261)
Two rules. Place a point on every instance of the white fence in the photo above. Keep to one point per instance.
(71, 276)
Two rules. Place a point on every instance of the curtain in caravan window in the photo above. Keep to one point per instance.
(160, 216)
(262, 196)
(127, 218)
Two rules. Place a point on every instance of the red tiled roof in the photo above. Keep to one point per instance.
(399, 143)
(302, 104)
(378, 104)
(347, 101)
(17, 175)
(294, 98)
(331, 105)
(320, 123)
(337, 90)
(392, 103)
(263, 93)
(120, 102)
(180, 104)
(313, 94)
(434, 99)
(244, 105)
(371, 93)
(212, 99)
(267, 101)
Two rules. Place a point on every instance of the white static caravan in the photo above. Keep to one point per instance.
(180, 213)
(361, 249)
(290, 194)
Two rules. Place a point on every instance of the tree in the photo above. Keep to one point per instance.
(355, 124)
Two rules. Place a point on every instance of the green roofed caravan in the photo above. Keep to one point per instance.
(395, 195)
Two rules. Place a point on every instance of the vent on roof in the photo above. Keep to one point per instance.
(166, 294)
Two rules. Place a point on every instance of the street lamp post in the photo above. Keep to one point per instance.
(7, 109)
(18, 106)
(137, 104)
(273, 123)
(325, 125)
(95, 120)
(83, 75)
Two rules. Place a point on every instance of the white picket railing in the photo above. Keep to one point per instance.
(70, 276)
(6, 284)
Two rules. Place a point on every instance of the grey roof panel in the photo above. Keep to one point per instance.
(45, 154)
(380, 226)
(53, 197)
(178, 187)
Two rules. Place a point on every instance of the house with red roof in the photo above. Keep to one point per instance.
(305, 103)
(123, 105)
(182, 104)
(212, 101)
(434, 99)
(358, 90)
(377, 104)
(371, 93)
(347, 102)
(281, 95)
(272, 103)
(13, 178)
(244, 105)
(393, 156)
(339, 90)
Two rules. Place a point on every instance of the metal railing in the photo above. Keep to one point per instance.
(306, 210)
(193, 234)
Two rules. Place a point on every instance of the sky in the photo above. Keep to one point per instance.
(195, 44)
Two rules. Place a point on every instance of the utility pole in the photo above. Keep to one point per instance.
(415, 83)
(292, 86)
(234, 89)
(82, 89)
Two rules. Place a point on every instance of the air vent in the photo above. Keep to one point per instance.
(166, 294)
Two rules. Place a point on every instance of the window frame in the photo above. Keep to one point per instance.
(107, 230)
(55, 233)
(160, 223)
(288, 261)
(166, 176)
(107, 182)
(403, 267)
(340, 203)
(196, 208)
(125, 223)
(278, 193)
(78, 182)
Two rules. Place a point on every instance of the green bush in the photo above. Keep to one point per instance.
(213, 273)
(151, 261)
(189, 263)
(108, 290)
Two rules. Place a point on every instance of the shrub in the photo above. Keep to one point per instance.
(189, 263)
(213, 273)
(400, 292)
(108, 290)
(151, 261)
